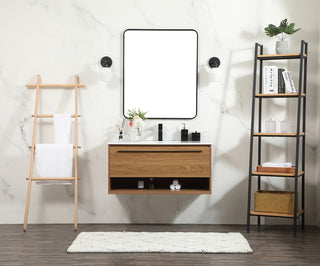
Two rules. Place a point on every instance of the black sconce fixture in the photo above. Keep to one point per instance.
(106, 61)
(214, 71)
(214, 62)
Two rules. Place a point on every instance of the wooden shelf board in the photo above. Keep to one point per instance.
(262, 134)
(55, 85)
(280, 56)
(277, 174)
(51, 178)
(51, 116)
(274, 95)
(275, 214)
(159, 191)
(79, 147)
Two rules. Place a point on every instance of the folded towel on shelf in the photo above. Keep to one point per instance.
(273, 164)
(62, 127)
(54, 160)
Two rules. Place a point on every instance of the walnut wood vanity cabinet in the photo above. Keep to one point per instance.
(159, 164)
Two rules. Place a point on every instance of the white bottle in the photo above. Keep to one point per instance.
(285, 126)
(270, 126)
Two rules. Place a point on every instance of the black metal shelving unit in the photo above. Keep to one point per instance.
(258, 95)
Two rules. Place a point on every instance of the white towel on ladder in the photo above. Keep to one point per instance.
(62, 126)
(54, 160)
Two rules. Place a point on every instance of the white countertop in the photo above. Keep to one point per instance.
(154, 142)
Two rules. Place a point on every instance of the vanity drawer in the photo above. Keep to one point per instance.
(159, 160)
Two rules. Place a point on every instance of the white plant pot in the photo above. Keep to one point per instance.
(281, 47)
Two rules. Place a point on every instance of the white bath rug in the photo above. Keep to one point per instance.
(160, 242)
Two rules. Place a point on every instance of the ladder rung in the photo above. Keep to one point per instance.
(51, 178)
(55, 85)
(79, 147)
(51, 116)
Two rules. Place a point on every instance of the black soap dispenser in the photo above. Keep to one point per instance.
(184, 133)
(160, 137)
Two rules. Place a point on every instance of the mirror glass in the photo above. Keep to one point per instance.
(160, 72)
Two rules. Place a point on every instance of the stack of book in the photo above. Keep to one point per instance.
(277, 80)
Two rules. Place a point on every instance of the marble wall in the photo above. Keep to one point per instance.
(59, 39)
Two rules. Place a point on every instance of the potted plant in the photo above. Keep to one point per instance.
(136, 119)
(284, 29)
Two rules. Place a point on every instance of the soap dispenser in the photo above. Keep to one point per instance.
(184, 133)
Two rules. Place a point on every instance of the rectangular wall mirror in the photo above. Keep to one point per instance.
(160, 72)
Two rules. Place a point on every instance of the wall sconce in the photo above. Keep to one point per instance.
(214, 62)
(213, 69)
(106, 63)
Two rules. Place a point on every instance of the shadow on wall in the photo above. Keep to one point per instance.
(94, 74)
(234, 202)
(94, 174)
(154, 208)
(232, 207)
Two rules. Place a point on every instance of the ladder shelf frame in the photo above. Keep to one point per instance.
(36, 115)
(301, 98)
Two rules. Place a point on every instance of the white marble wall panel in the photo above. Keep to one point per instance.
(58, 39)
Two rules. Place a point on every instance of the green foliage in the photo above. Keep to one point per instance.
(133, 112)
(284, 28)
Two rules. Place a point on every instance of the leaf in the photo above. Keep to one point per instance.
(272, 30)
(290, 29)
(283, 24)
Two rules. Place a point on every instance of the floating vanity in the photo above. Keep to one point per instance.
(159, 162)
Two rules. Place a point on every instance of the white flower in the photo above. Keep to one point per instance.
(137, 122)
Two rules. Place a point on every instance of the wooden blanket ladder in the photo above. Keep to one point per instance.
(36, 115)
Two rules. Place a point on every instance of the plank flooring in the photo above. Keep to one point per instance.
(47, 245)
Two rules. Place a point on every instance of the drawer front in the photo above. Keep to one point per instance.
(159, 161)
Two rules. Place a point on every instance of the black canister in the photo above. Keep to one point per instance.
(195, 136)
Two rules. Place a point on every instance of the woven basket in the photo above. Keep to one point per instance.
(274, 201)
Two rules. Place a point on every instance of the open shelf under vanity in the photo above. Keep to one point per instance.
(161, 186)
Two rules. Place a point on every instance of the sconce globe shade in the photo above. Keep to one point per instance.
(214, 74)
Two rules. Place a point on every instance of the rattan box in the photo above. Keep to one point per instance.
(274, 201)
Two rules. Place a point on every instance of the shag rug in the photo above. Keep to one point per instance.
(160, 242)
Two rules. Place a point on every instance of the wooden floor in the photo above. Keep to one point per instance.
(47, 245)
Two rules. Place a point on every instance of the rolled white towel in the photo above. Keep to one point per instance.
(175, 187)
